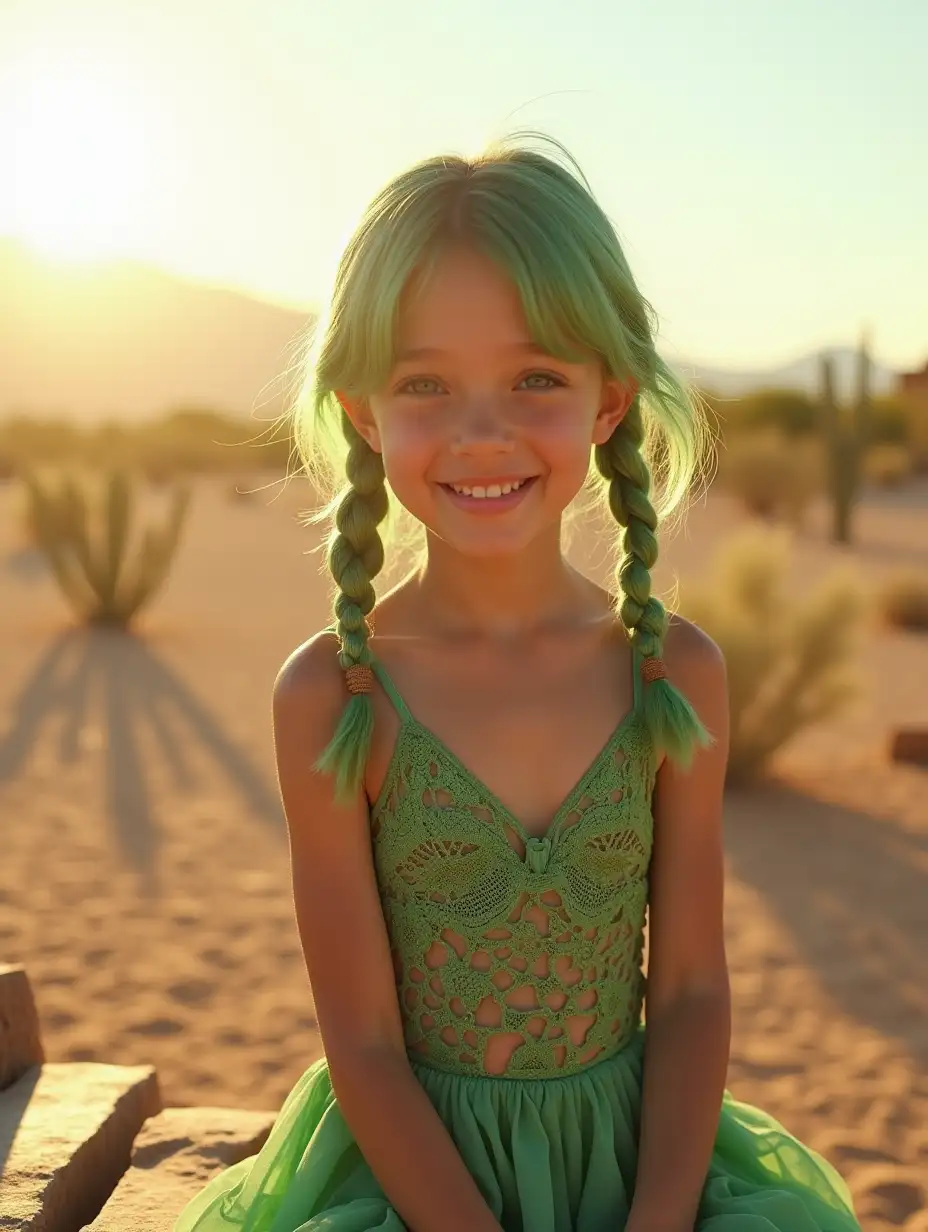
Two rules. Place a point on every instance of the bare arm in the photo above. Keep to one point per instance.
(347, 954)
(688, 1003)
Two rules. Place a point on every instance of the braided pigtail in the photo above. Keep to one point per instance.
(673, 723)
(355, 557)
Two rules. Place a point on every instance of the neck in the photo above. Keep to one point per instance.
(506, 596)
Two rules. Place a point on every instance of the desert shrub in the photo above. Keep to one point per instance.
(887, 465)
(789, 653)
(772, 477)
(31, 442)
(83, 528)
(182, 443)
(795, 414)
(111, 446)
(205, 442)
(784, 411)
(904, 599)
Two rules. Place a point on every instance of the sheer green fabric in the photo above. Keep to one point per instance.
(518, 968)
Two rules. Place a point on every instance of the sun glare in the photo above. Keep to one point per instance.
(80, 160)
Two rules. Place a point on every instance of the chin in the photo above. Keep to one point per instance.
(489, 545)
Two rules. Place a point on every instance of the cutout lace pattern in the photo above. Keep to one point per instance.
(515, 955)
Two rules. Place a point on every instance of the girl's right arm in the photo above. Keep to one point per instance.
(347, 954)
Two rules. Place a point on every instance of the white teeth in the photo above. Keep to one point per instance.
(494, 490)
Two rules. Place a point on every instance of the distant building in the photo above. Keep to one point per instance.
(913, 393)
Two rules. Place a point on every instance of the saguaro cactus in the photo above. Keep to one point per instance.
(86, 543)
(847, 433)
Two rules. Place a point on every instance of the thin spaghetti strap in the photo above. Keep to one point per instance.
(391, 690)
(385, 682)
(637, 683)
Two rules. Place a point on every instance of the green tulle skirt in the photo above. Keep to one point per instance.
(550, 1155)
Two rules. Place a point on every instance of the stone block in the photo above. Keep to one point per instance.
(175, 1154)
(66, 1137)
(910, 744)
(20, 1040)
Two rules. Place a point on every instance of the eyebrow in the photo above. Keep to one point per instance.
(414, 353)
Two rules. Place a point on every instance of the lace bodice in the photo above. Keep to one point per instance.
(514, 955)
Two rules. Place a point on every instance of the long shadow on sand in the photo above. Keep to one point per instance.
(105, 678)
(852, 890)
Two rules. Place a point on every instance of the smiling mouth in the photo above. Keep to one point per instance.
(489, 490)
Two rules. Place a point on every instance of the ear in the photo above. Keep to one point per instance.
(358, 411)
(617, 396)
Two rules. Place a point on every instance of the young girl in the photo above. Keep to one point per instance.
(490, 773)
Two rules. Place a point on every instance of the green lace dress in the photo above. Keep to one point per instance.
(518, 970)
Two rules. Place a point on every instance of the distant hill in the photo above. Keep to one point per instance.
(127, 341)
(802, 375)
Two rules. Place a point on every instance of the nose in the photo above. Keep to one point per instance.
(480, 431)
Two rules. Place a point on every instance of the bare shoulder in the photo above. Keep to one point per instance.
(335, 892)
(308, 700)
(309, 690)
(312, 665)
(695, 662)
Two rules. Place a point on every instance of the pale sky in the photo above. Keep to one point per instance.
(765, 162)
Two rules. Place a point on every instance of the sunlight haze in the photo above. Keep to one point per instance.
(763, 164)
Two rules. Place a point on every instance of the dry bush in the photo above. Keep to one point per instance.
(888, 466)
(771, 476)
(789, 652)
(180, 444)
(904, 599)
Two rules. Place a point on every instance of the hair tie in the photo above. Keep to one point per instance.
(359, 678)
(653, 669)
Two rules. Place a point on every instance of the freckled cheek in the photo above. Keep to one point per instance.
(409, 454)
(564, 447)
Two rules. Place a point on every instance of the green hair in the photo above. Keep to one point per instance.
(541, 224)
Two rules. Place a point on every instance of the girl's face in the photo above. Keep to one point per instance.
(485, 438)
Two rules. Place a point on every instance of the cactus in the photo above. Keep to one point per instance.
(847, 435)
(90, 562)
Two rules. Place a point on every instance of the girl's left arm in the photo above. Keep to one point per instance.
(688, 1020)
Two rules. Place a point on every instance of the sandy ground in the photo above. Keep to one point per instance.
(144, 873)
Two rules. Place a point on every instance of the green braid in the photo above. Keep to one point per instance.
(534, 216)
(672, 721)
(355, 557)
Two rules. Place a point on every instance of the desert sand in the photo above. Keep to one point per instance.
(144, 876)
